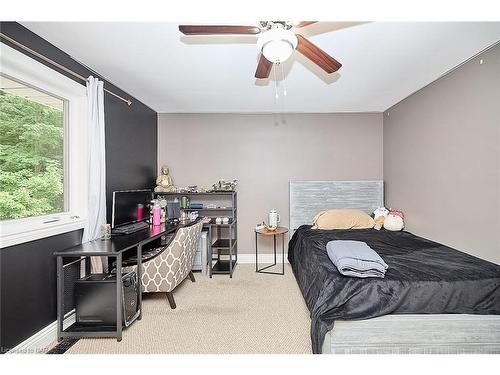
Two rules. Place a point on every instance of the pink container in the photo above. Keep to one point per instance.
(156, 216)
(140, 212)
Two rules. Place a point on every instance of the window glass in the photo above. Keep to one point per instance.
(32, 149)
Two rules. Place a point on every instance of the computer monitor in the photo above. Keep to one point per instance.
(127, 206)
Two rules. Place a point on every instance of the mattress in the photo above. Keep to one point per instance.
(424, 277)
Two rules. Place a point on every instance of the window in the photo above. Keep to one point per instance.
(43, 150)
(32, 149)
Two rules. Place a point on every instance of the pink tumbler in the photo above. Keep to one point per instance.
(156, 215)
(140, 212)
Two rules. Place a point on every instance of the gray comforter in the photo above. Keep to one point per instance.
(355, 258)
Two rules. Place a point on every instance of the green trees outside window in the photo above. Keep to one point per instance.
(31, 154)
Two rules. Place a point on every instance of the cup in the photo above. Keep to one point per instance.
(225, 220)
(106, 231)
(274, 218)
(218, 220)
(140, 212)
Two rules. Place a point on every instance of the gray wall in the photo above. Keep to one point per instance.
(265, 152)
(442, 158)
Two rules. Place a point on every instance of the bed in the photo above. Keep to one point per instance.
(433, 299)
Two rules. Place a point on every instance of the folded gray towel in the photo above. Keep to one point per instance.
(355, 258)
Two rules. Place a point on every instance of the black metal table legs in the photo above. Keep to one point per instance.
(263, 269)
(139, 281)
(119, 314)
(96, 332)
(60, 312)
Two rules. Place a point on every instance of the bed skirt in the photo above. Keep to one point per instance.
(415, 334)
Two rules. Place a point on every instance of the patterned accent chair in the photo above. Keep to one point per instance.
(172, 265)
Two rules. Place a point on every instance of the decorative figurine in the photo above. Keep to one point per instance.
(164, 182)
(223, 185)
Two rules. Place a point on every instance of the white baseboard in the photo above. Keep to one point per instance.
(263, 258)
(38, 343)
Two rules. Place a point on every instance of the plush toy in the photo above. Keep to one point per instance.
(379, 222)
(394, 221)
(379, 215)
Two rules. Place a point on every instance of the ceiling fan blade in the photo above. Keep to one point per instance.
(263, 68)
(317, 55)
(303, 23)
(217, 29)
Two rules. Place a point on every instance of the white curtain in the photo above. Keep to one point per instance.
(96, 166)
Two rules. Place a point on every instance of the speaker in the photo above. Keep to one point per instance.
(95, 299)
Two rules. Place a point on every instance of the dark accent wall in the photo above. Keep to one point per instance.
(28, 285)
(131, 142)
(27, 282)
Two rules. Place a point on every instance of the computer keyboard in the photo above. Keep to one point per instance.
(130, 228)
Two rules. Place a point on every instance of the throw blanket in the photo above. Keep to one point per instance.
(424, 277)
(355, 258)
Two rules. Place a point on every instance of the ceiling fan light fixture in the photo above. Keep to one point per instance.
(277, 51)
(277, 44)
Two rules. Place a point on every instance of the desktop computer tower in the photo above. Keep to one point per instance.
(95, 299)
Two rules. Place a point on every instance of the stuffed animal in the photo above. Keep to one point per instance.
(379, 222)
(379, 215)
(394, 221)
(381, 211)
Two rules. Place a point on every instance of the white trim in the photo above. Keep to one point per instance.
(59, 227)
(264, 258)
(39, 342)
(21, 67)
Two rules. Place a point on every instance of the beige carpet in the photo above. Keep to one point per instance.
(250, 313)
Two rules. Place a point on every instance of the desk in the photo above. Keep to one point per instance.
(113, 248)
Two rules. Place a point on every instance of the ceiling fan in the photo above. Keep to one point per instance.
(276, 43)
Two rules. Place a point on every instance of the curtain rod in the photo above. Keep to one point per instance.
(50, 61)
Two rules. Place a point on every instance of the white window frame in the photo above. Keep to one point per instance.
(20, 67)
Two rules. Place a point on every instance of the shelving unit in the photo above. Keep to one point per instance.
(223, 238)
(207, 209)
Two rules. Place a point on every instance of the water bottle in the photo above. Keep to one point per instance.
(156, 214)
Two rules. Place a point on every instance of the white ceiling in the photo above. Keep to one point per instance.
(382, 64)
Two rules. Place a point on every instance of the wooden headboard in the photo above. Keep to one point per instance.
(307, 198)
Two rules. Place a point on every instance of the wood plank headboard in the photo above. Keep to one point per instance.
(307, 198)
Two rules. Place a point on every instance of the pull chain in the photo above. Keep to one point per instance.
(276, 89)
(276, 96)
(283, 80)
(282, 107)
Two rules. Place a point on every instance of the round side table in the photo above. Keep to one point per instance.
(280, 231)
